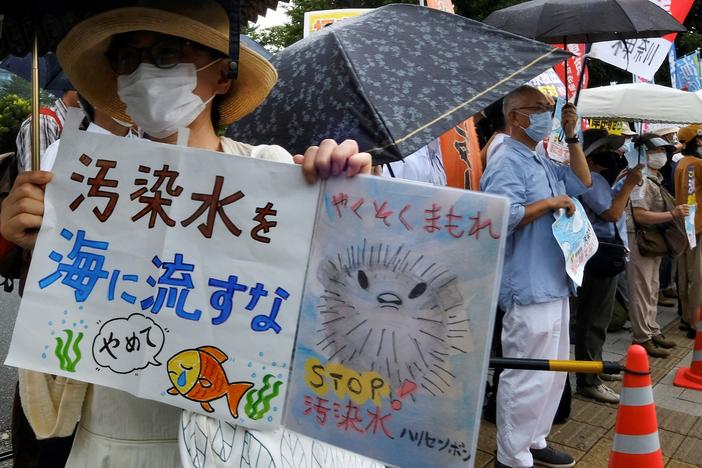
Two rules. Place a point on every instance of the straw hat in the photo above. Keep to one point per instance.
(627, 131)
(82, 53)
(664, 130)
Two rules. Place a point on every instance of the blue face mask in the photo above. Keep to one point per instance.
(540, 126)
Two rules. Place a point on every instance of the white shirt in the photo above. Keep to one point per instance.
(424, 165)
(48, 158)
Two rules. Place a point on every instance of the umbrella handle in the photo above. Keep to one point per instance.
(583, 69)
(36, 163)
(565, 66)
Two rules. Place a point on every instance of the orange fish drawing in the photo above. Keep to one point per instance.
(197, 374)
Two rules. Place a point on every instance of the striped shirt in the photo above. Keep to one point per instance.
(49, 131)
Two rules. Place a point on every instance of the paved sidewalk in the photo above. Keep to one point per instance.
(587, 435)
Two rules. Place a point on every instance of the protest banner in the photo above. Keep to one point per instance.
(692, 202)
(443, 5)
(577, 240)
(688, 72)
(460, 152)
(557, 148)
(642, 56)
(549, 83)
(672, 57)
(171, 273)
(177, 275)
(397, 314)
(575, 68)
(613, 127)
(316, 20)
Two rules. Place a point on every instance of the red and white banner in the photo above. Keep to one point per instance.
(575, 68)
(643, 57)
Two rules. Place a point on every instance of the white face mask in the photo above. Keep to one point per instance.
(657, 160)
(161, 101)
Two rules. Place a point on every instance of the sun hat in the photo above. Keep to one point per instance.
(664, 129)
(82, 53)
(686, 134)
(627, 131)
(653, 141)
(597, 140)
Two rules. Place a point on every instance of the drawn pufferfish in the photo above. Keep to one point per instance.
(392, 310)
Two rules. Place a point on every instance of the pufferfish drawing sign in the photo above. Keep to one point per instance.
(394, 330)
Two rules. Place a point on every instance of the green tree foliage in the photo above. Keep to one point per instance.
(23, 88)
(281, 36)
(691, 40)
(13, 110)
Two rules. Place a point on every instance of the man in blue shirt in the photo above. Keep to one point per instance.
(535, 286)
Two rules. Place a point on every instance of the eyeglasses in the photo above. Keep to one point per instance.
(167, 53)
(536, 109)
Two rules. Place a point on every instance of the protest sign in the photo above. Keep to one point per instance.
(642, 56)
(672, 57)
(577, 240)
(557, 148)
(575, 68)
(172, 273)
(460, 153)
(549, 83)
(613, 127)
(443, 5)
(177, 275)
(692, 202)
(317, 20)
(688, 72)
(398, 308)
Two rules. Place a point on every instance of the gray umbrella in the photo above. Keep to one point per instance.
(393, 79)
(585, 21)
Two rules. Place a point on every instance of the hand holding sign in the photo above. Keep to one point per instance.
(563, 202)
(569, 120)
(22, 210)
(333, 159)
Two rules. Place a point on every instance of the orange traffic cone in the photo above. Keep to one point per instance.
(636, 440)
(691, 377)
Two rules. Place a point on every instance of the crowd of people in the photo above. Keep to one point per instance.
(634, 189)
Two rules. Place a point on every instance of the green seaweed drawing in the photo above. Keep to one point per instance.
(62, 351)
(258, 407)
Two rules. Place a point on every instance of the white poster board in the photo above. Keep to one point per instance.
(177, 275)
(144, 281)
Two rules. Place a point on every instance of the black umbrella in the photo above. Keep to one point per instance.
(393, 79)
(585, 21)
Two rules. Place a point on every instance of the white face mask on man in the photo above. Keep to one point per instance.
(161, 101)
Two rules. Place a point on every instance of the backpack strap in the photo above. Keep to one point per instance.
(51, 113)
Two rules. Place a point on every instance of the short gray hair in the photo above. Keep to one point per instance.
(510, 101)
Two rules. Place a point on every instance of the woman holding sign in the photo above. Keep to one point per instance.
(164, 67)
